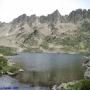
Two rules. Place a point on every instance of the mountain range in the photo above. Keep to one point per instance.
(51, 33)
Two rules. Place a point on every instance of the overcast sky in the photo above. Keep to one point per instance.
(10, 9)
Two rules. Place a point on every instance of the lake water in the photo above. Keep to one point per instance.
(46, 62)
(43, 69)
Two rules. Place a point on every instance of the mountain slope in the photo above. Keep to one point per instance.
(51, 33)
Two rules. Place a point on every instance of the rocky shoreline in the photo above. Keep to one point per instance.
(86, 64)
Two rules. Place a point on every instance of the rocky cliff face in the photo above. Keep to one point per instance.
(32, 31)
(78, 15)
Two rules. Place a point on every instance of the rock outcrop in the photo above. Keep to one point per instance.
(86, 64)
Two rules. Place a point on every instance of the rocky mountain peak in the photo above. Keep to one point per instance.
(75, 16)
(51, 18)
(54, 17)
(56, 13)
(78, 15)
(21, 18)
(88, 13)
(33, 18)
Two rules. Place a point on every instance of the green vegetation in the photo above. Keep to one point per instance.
(85, 85)
(80, 85)
(44, 44)
(76, 86)
(85, 26)
(7, 51)
(5, 67)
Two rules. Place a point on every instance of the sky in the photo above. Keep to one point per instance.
(10, 9)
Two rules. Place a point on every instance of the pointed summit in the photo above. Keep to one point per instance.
(54, 17)
(21, 18)
(56, 12)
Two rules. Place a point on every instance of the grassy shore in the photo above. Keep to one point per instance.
(6, 66)
(7, 51)
(79, 85)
